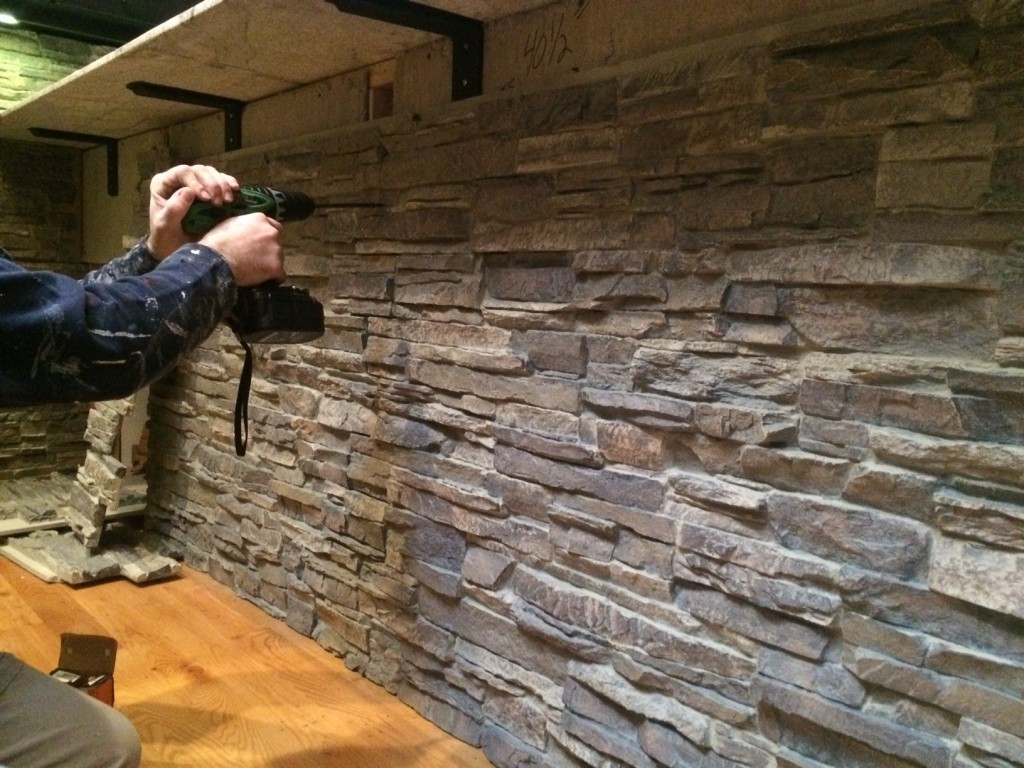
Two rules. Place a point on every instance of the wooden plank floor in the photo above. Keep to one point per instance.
(210, 680)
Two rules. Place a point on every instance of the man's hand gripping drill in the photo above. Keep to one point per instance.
(271, 313)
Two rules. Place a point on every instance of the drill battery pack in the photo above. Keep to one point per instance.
(277, 314)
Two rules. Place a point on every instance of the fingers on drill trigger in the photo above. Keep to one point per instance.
(203, 180)
(162, 185)
(231, 186)
(221, 185)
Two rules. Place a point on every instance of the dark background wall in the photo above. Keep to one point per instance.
(672, 417)
(29, 62)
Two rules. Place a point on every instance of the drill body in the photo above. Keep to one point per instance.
(269, 313)
(277, 204)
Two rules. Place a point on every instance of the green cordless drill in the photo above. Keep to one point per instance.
(269, 313)
(276, 203)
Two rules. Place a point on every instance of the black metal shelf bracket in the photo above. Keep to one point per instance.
(87, 138)
(466, 34)
(232, 108)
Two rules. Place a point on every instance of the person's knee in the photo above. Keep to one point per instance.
(119, 746)
(46, 722)
(107, 738)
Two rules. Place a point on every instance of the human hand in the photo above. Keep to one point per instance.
(172, 192)
(251, 245)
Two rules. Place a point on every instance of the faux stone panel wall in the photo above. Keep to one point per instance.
(40, 225)
(674, 418)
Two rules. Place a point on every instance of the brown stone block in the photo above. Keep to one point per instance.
(894, 321)
(566, 352)
(538, 390)
(571, 451)
(794, 470)
(1010, 352)
(717, 208)
(888, 740)
(876, 110)
(923, 44)
(983, 576)
(426, 225)
(567, 149)
(727, 132)
(815, 158)
(845, 533)
(992, 741)
(348, 626)
(475, 158)
(960, 141)
(443, 290)
(991, 522)
(532, 284)
(948, 184)
(892, 489)
(514, 198)
(593, 292)
(567, 233)
(653, 410)
(696, 376)
(846, 203)
(545, 111)
(957, 458)
(1008, 181)
(905, 408)
(623, 443)
(964, 227)
(609, 485)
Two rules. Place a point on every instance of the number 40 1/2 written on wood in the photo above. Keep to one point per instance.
(546, 45)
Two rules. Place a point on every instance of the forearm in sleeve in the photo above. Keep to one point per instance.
(106, 336)
(138, 261)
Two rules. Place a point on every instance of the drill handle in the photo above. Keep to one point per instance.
(202, 216)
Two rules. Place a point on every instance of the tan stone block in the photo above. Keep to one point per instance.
(978, 574)
(948, 184)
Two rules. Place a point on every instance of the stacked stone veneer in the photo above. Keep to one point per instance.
(673, 417)
(40, 224)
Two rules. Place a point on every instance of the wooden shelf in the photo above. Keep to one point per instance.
(243, 50)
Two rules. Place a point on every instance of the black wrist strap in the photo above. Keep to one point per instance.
(242, 402)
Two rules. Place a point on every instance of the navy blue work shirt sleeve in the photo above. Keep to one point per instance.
(111, 333)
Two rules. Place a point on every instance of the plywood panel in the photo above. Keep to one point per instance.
(238, 49)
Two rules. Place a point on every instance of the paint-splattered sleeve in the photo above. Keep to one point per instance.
(111, 333)
(138, 261)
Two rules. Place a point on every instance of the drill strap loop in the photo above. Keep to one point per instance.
(242, 402)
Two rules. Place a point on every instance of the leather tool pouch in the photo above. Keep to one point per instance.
(87, 662)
